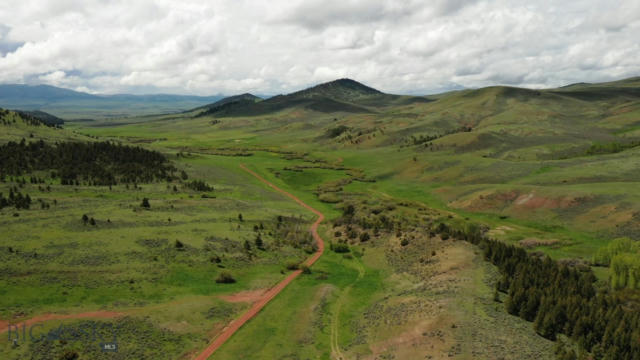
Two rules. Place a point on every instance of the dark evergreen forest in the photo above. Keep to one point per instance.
(562, 299)
(93, 163)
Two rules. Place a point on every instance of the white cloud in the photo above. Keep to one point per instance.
(54, 78)
(412, 46)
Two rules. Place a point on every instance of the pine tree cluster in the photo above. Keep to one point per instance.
(26, 118)
(199, 185)
(96, 163)
(560, 299)
(16, 199)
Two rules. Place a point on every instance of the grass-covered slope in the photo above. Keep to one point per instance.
(219, 105)
(541, 159)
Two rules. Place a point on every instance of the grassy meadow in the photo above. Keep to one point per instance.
(533, 167)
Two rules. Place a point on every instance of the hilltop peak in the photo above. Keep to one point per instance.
(343, 89)
(350, 83)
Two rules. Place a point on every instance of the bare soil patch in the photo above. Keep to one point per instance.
(248, 296)
(532, 242)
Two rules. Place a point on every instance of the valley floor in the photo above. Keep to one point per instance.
(383, 302)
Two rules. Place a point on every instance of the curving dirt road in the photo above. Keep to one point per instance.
(264, 300)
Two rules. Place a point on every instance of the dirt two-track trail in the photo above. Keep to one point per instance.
(271, 293)
(4, 325)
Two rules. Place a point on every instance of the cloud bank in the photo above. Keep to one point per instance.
(270, 47)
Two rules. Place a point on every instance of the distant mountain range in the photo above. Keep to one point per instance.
(338, 96)
(71, 104)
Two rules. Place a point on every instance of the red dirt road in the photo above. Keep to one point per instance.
(271, 293)
(4, 325)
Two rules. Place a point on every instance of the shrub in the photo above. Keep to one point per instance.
(404, 242)
(364, 237)
(259, 243)
(225, 278)
(349, 210)
(199, 185)
(617, 246)
(145, 203)
(341, 248)
(336, 131)
(305, 269)
(293, 266)
(69, 355)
